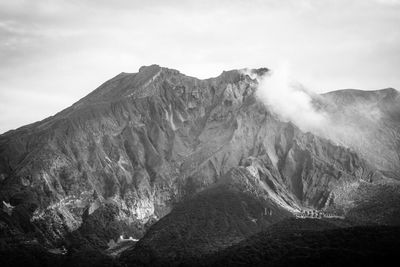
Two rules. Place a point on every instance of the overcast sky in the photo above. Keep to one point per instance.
(53, 52)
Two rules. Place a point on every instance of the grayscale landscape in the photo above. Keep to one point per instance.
(156, 167)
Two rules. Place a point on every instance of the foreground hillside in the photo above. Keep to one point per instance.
(289, 242)
(305, 243)
(295, 242)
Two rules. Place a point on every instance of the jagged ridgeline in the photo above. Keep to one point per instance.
(204, 159)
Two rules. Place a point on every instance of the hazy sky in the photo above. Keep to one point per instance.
(53, 52)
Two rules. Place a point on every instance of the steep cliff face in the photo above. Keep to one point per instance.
(142, 142)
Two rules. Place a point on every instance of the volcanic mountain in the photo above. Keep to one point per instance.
(192, 165)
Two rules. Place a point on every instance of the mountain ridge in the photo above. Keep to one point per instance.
(142, 144)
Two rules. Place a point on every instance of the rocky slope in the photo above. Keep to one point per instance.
(122, 157)
(369, 123)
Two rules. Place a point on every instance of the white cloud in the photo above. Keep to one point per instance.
(389, 2)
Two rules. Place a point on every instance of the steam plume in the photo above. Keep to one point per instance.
(289, 100)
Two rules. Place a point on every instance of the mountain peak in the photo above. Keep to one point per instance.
(260, 71)
(350, 96)
(150, 68)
